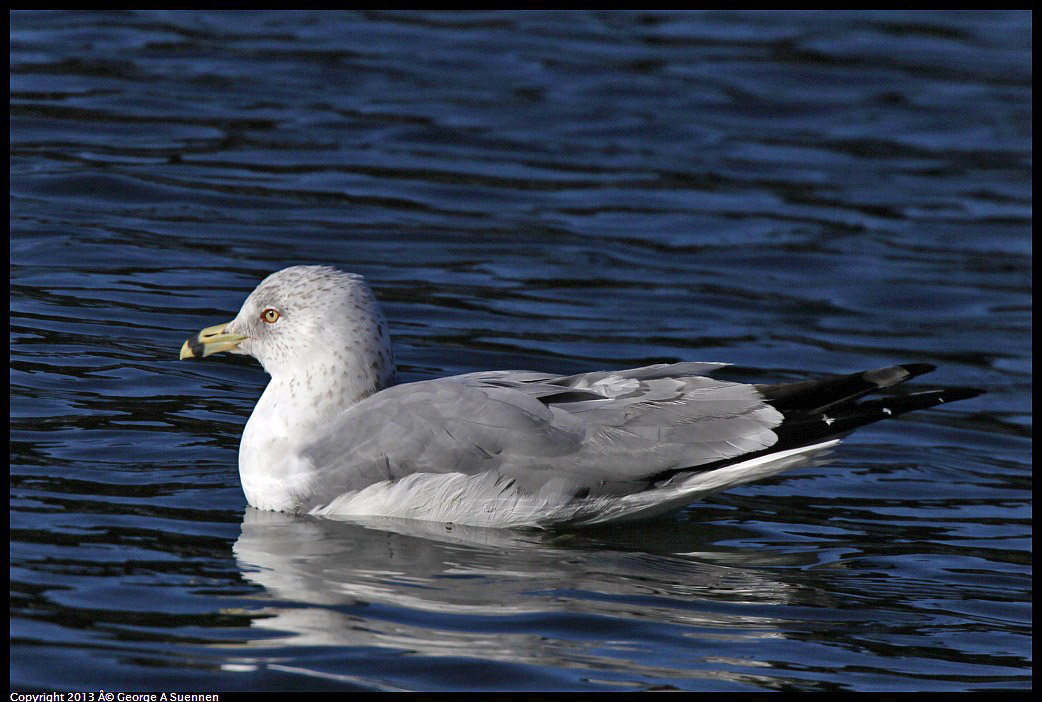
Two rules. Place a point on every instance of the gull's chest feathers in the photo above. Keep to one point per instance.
(275, 473)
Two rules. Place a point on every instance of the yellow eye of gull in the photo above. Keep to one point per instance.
(270, 315)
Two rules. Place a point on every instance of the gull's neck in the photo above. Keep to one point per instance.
(301, 400)
(315, 393)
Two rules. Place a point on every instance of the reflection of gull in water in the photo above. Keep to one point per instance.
(333, 435)
(417, 588)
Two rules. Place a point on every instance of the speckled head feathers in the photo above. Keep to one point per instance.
(305, 317)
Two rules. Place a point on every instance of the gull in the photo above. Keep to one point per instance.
(335, 434)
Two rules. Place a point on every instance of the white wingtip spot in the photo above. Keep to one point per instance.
(887, 410)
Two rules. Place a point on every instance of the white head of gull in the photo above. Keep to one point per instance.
(333, 434)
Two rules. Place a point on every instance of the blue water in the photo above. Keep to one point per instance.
(796, 194)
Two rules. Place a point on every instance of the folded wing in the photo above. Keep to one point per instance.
(593, 435)
(590, 435)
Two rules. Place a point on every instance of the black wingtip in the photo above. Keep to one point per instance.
(917, 369)
(895, 405)
(891, 375)
(946, 394)
(805, 428)
(953, 394)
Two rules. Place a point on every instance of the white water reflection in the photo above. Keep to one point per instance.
(446, 590)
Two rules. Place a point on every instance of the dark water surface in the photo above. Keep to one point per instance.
(794, 193)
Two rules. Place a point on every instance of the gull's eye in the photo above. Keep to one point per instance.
(270, 315)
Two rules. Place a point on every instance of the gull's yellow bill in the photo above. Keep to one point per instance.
(210, 341)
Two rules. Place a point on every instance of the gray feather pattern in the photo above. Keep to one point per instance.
(646, 421)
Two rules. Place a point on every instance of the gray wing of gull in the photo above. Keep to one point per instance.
(600, 433)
